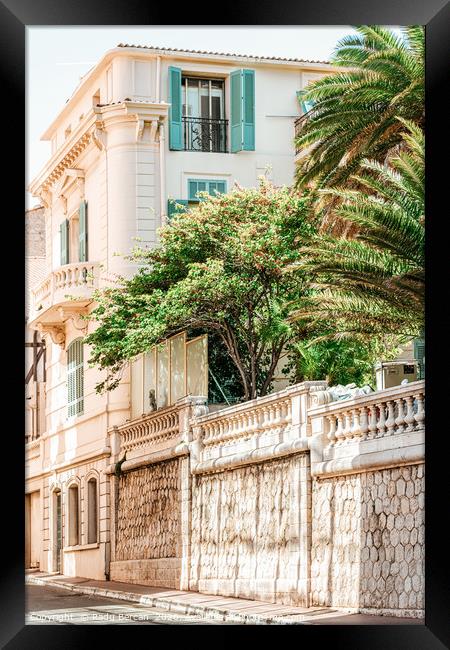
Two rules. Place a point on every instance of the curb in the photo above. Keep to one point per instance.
(204, 611)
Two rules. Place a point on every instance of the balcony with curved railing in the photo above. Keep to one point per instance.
(68, 285)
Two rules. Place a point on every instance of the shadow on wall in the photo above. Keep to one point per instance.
(369, 542)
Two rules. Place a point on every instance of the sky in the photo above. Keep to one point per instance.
(58, 56)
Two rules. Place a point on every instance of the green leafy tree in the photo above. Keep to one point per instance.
(374, 284)
(342, 361)
(219, 269)
(354, 111)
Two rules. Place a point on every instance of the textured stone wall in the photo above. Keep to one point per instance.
(246, 531)
(368, 541)
(35, 232)
(148, 513)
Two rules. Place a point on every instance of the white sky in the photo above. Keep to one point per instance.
(58, 56)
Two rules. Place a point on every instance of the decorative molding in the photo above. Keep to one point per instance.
(55, 330)
(140, 125)
(153, 130)
(73, 314)
(98, 135)
(67, 161)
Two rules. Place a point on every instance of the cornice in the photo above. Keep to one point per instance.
(91, 130)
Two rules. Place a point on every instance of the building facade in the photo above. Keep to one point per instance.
(144, 131)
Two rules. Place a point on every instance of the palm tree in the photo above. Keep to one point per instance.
(374, 283)
(354, 112)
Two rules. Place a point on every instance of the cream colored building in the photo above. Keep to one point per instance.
(144, 130)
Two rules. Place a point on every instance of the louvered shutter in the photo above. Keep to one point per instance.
(305, 105)
(242, 110)
(236, 110)
(249, 110)
(75, 378)
(175, 110)
(419, 354)
(82, 231)
(175, 206)
(64, 241)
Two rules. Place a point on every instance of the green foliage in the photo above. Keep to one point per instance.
(342, 361)
(218, 268)
(354, 113)
(374, 284)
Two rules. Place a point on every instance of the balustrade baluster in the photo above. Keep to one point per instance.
(355, 431)
(420, 415)
(348, 425)
(372, 421)
(340, 435)
(381, 424)
(400, 419)
(364, 422)
(390, 422)
(331, 435)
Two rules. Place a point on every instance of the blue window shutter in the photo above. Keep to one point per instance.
(221, 187)
(175, 110)
(306, 106)
(249, 110)
(174, 206)
(236, 111)
(419, 354)
(82, 231)
(64, 240)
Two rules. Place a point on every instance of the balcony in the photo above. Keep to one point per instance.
(204, 134)
(63, 294)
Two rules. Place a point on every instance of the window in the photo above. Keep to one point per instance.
(195, 185)
(75, 378)
(92, 511)
(197, 113)
(210, 186)
(203, 113)
(203, 98)
(74, 520)
(74, 236)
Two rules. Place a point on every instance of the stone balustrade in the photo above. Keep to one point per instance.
(271, 425)
(150, 429)
(384, 413)
(63, 285)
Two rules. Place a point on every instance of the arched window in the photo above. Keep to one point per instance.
(74, 518)
(92, 510)
(75, 379)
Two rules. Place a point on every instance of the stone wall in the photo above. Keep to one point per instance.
(35, 232)
(246, 529)
(282, 499)
(367, 546)
(147, 529)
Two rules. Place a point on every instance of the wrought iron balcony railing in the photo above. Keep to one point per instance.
(204, 134)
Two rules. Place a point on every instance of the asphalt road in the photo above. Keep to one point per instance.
(53, 606)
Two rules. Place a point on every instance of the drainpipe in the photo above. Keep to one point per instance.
(162, 175)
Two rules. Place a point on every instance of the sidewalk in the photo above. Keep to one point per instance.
(212, 607)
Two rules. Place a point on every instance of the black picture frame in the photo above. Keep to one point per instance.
(15, 16)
